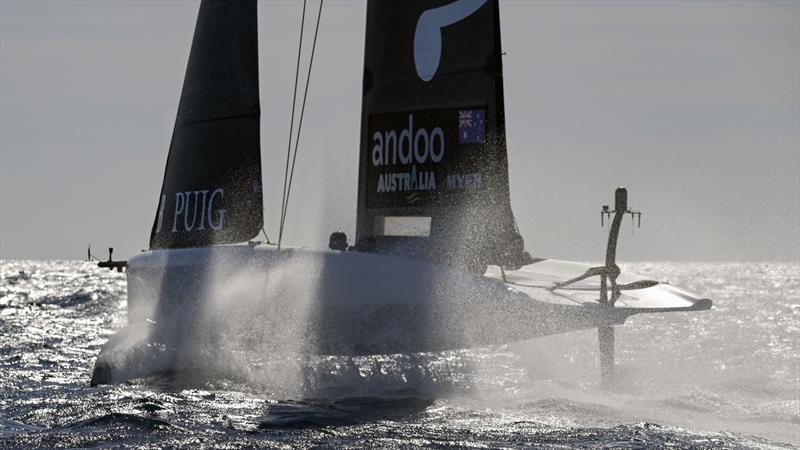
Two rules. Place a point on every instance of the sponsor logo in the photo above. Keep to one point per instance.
(407, 146)
(463, 181)
(428, 34)
(419, 158)
(195, 211)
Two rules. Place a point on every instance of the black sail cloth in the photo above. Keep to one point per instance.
(211, 192)
(433, 169)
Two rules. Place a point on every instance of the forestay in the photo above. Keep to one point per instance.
(211, 192)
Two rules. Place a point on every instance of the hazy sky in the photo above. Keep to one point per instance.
(695, 106)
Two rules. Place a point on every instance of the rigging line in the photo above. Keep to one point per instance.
(265, 235)
(214, 119)
(291, 121)
(302, 113)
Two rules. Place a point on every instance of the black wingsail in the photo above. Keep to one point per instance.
(433, 174)
(211, 192)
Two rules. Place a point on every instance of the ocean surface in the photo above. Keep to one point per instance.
(724, 378)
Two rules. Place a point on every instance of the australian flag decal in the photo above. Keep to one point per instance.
(472, 126)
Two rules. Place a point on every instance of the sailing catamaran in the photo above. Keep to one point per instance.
(438, 261)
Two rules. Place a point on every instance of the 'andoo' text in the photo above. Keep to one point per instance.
(407, 146)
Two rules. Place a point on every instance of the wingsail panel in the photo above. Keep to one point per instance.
(211, 192)
(433, 131)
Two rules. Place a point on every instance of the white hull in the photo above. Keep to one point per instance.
(349, 303)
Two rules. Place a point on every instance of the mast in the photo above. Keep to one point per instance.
(211, 193)
(433, 173)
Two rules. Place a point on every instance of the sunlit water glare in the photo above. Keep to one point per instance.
(729, 377)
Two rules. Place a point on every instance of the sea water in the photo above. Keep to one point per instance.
(728, 377)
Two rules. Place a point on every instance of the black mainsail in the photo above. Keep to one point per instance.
(433, 173)
(211, 192)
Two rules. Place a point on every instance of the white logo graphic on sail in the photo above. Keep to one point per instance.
(211, 214)
(428, 35)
